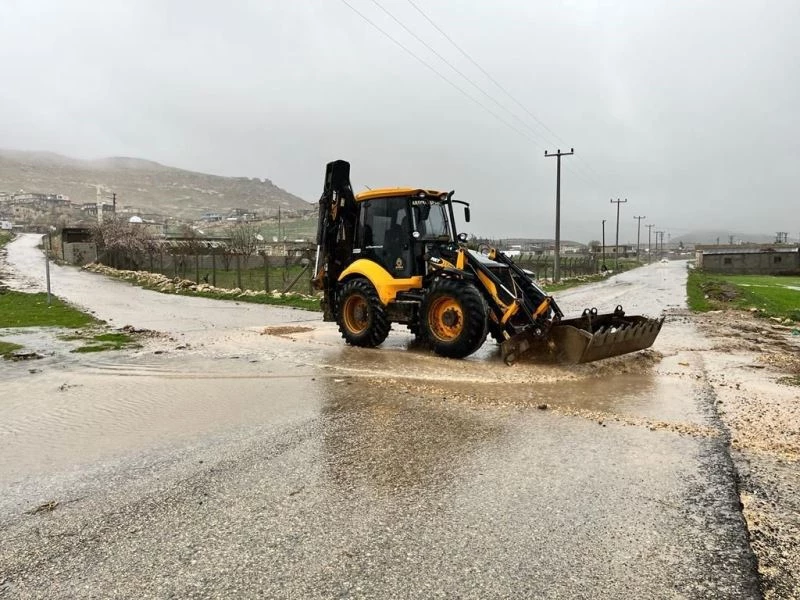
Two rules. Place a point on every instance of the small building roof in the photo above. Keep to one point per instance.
(728, 251)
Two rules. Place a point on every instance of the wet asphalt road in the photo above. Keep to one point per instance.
(252, 465)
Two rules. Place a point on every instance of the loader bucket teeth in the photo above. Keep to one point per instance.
(580, 341)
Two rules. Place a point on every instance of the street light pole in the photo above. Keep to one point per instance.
(557, 258)
(649, 243)
(616, 243)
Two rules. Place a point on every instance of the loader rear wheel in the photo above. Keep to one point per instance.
(360, 315)
(453, 318)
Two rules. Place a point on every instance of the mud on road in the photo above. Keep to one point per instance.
(754, 369)
(249, 452)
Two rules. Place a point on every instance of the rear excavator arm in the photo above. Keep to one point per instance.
(336, 227)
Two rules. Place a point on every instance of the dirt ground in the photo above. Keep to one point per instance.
(754, 369)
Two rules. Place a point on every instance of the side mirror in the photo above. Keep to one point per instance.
(462, 237)
(466, 214)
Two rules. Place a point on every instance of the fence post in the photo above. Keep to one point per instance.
(238, 271)
(266, 272)
(196, 268)
(213, 268)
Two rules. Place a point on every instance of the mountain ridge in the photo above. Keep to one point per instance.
(143, 184)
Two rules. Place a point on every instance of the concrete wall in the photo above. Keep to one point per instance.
(750, 263)
(80, 253)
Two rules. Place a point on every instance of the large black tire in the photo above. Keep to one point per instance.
(454, 318)
(360, 315)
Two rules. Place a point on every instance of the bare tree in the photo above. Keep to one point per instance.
(122, 243)
(243, 244)
(243, 240)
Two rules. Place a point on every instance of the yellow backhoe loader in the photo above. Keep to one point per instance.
(393, 256)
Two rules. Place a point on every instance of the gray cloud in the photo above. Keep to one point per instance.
(688, 109)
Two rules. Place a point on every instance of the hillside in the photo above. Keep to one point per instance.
(147, 186)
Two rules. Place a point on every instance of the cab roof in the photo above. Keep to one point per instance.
(398, 191)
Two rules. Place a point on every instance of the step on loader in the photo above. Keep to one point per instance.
(394, 256)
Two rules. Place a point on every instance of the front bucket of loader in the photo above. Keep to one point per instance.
(586, 339)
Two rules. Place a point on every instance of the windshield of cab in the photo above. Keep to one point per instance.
(431, 220)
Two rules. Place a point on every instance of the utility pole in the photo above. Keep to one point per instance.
(659, 233)
(730, 240)
(638, 235)
(604, 268)
(616, 243)
(649, 244)
(557, 258)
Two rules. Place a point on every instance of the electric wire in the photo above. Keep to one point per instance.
(497, 83)
(454, 85)
(440, 75)
(459, 72)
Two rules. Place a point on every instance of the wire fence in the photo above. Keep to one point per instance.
(570, 266)
(228, 271)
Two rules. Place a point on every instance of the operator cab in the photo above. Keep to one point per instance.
(397, 226)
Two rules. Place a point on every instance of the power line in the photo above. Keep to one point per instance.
(457, 70)
(439, 74)
(494, 81)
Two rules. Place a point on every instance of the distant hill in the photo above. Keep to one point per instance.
(147, 186)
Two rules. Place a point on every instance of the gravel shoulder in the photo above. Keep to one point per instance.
(753, 366)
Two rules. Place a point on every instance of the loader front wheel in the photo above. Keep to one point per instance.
(360, 315)
(454, 318)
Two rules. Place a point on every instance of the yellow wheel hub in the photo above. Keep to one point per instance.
(446, 319)
(356, 314)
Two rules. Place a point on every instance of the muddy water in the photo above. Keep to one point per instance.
(114, 404)
(224, 365)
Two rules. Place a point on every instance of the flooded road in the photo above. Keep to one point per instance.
(222, 461)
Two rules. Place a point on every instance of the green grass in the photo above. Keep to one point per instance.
(790, 380)
(5, 237)
(100, 342)
(565, 284)
(773, 295)
(292, 301)
(18, 309)
(252, 279)
(7, 348)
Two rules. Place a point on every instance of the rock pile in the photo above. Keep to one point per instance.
(167, 285)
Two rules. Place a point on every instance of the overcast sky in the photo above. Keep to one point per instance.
(689, 109)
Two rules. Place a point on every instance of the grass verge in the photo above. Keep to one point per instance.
(101, 342)
(7, 349)
(773, 295)
(5, 237)
(287, 300)
(566, 284)
(185, 287)
(18, 309)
